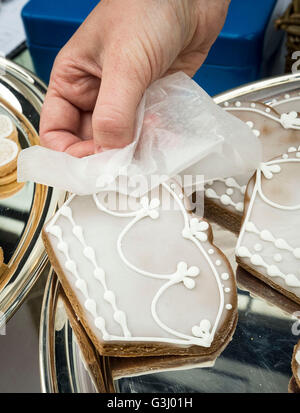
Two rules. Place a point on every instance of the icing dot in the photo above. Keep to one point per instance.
(201, 236)
(78, 232)
(268, 110)
(66, 211)
(277, 257)
(180, 196)
(227, 290)
(100, 323)
(71, 266)
(273, 271)
(99, 274)
(250, 124)
(285, 156)
(90, 305)
(286, 96)
(256, 132)
(225, 276)
(81, 285)
(211, 251)
(228, 306)
(218, 263)
(243, 252)
(203, 226)
(226, 104)
(239, 206)
(292, 281)
(63, 247)
(89, 253)
(258, 247)
(256, 259)
(238, 104)
(173, 186)
(252, 105)
(229, 191)
(266, 235)
(296, 252)
(225, 200)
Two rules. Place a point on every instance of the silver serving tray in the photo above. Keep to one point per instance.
(23, 214)
(258, 359)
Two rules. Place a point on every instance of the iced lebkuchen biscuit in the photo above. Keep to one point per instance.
(145, 281)
(269, 244)
(294, 386)
(279, 133)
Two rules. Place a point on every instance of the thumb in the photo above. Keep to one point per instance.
(114, 114)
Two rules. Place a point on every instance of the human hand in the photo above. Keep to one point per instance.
(101, 74)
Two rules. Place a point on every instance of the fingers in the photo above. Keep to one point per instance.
(115, 110)
(81, 149)
(59, 123)
(66, 115)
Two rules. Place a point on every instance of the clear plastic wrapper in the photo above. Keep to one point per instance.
(179, 131)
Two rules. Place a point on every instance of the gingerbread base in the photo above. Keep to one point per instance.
(226, 219)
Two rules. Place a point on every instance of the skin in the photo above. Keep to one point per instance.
(101, 74)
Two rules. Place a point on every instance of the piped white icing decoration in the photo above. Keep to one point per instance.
(290, 120)
(89, 253)
(196, 228)
(268, 170)
(287, 120)
(272, 270)
(203, 330)
(266, 235)
(242, 251)
(224, 199)
(6, 126)
(193, 230)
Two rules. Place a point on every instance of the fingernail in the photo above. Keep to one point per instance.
(98, 148)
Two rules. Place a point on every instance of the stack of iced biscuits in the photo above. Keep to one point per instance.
(150, 282)
(265, 209)
(9, 150)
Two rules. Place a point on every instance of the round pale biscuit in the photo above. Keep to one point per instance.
(8, 156)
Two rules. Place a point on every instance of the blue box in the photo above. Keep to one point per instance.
(234, 59)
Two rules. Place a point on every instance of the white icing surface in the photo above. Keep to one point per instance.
(8, 151)
(126, 226)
